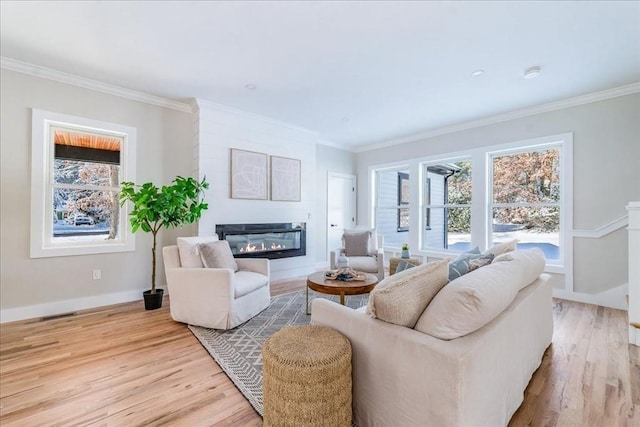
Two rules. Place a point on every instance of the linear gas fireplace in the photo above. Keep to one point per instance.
(277, 240)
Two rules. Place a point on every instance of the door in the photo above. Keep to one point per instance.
(341, 202)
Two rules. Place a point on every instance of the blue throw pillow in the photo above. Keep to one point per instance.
(403, 265)
(468, 261)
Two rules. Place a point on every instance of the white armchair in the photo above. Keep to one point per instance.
(217, 298)
(365, 253)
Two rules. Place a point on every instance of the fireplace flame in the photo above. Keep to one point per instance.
(261, 247)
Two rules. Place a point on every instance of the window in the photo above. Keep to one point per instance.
(525, 198)
(483, 196)
(392, 204)
(446, 205)
(77, 167)
(403, 201)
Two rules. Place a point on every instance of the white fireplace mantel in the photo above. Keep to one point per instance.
(634, 272)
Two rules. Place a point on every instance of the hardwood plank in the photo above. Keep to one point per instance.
(122, 365)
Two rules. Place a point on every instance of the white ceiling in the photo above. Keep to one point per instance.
(355, 72)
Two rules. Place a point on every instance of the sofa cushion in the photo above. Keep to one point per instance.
(531, 262)
(468, 261)
(217, 255)
(473, 300)
(502, 248)
(188, 250)
(356, 243)
(245, 282)
(368, 264)
(402, 297)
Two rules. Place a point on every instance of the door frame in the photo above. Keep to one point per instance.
(354, 201)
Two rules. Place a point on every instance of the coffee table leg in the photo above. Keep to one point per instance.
(342, 298)
(307, 297)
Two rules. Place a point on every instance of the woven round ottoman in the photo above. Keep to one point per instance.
(307, 378)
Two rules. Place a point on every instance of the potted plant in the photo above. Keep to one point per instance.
(405, 251)
(153, 208)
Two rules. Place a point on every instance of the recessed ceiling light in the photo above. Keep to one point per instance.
(531, 73)
(250, 86)
(477, 73)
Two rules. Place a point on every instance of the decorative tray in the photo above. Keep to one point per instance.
(345, 275)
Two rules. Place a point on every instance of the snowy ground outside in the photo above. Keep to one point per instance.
(548, 242)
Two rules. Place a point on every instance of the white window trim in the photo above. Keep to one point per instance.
(41, 169)
(373, 176)
(559, 263)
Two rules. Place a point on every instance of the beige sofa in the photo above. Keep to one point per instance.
(403, 377)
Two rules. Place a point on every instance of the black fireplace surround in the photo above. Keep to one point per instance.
(271, 240)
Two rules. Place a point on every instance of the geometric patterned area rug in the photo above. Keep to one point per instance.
(239, 351)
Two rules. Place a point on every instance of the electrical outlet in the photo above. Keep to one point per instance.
(97, 274)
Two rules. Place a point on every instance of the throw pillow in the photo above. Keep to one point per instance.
(502, 248)
(530, 261)
(468, 261)
(356, 243)
(403, 265)
(217, 255)
(400, 299)
(188, 250)
(470, 302)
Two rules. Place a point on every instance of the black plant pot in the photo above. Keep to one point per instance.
(153, 301)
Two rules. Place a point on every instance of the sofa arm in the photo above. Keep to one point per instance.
(208, 282)
(391, 360)
(257, 265)
(200, 296)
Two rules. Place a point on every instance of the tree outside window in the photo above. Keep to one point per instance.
(526, 199)
(85, 186)
(447, 205)
(77, 165)
(403, 201)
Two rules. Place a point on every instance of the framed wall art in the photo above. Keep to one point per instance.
(248, 175)
(285, 179)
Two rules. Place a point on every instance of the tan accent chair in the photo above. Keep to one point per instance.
(217, 298)
(370, 262)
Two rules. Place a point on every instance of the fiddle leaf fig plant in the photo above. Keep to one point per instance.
(174, 205)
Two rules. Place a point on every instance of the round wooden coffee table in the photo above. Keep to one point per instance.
(319, 283)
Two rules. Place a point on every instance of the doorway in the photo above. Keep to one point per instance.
(341, 208)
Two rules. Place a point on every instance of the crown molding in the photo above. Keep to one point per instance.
(201, 104)
(332, 144)
(512, 115)
(48, 73)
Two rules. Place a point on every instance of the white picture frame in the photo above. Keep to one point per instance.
(285, 179)
(248, 175)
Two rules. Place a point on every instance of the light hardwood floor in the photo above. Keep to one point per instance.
(124, 366)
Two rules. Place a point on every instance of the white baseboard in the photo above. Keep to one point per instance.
(67, 306)
(290, 273)
(614, 298)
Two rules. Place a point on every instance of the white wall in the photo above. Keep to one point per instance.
(605, 145)
(219, 130)
(36, 287)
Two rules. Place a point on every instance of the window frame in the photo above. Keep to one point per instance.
(425, 196)
(565, 166)
(402, 176)
(479, 216)
(42, 164)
